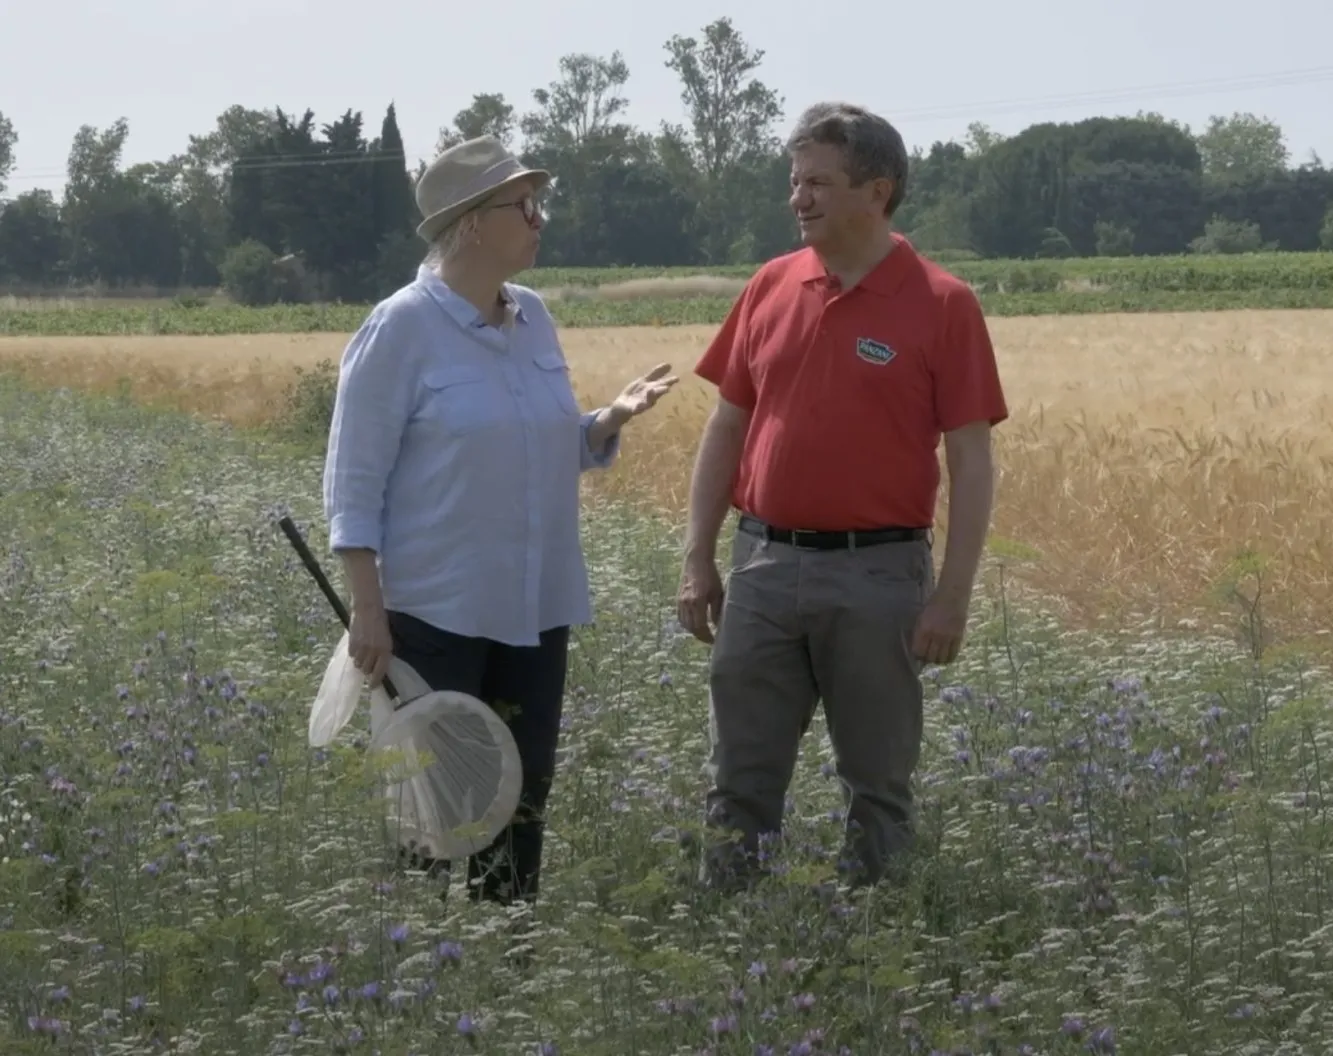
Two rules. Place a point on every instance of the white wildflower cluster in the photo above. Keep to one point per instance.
(15, 822)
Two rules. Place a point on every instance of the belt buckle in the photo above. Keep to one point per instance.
(797, 533)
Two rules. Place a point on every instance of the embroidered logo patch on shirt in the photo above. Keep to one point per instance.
(873, 351)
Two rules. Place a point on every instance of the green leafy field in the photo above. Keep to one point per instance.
(1193, 274)
(1255, 272)
(1249, 271)
(1006, 288)
(1125, 840)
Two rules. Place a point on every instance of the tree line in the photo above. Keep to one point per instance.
(277, 206)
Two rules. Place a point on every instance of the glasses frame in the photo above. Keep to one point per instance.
(530, 207)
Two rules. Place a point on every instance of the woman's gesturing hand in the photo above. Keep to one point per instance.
(642, 393)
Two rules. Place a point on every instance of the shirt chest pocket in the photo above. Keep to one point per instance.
(553, 376)
(458, 399)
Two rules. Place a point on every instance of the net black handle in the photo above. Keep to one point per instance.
(312, 566)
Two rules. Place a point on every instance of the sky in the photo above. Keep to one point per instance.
(171, 66)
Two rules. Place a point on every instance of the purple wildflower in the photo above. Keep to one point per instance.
(724, 1025)
(448, 951)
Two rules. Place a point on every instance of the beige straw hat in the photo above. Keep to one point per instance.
(462, 177)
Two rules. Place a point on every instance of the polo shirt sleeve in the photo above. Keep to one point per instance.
(966, 376)
(370, 410)
(726, 362)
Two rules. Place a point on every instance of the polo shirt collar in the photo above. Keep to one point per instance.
(882, 279)
(459, 308)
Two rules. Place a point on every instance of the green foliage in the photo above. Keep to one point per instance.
(326, 196)
(1113, 240)
(308, 407)
(32, 239)
(1221, 235)
(1242, 146)
(8, 137)
(1263, 274)
(1055, 244)
(247, 274)
(1032, 278)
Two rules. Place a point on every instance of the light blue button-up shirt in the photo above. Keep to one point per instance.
(455, 454)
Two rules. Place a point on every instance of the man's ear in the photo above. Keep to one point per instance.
(884, 190)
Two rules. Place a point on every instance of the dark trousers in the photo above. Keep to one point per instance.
(526, 685)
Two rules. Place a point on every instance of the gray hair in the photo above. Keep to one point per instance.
(449, 241)
(871, 147)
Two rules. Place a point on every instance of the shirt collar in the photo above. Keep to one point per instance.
(460, 309)
(882, 279)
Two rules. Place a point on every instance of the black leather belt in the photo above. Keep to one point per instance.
(804, 539)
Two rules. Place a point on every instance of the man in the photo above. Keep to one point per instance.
(838, 369)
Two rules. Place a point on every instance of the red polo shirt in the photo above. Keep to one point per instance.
(849, 392)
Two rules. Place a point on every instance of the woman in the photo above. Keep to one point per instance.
(451, 481)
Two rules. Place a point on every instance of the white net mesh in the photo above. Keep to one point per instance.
(452, 769)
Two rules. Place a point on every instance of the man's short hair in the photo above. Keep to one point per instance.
(871, 147)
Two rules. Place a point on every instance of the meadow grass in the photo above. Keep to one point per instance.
(1125, 835)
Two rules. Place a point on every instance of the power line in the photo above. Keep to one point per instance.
(1172, 89)
(259, 162)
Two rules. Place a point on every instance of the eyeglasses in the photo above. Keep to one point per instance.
(529, 205)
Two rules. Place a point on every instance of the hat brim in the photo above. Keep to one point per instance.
(429, 229)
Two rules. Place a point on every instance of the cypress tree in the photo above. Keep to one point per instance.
(394, 202)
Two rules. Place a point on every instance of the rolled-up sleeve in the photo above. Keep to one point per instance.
(370, 411)
(601, 458)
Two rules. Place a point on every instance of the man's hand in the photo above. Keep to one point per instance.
(943, 622)
(699, 599)
(940, 629)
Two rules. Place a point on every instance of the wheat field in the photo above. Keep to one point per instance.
(1156, 466)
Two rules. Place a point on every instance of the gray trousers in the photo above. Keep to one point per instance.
(799, 628)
